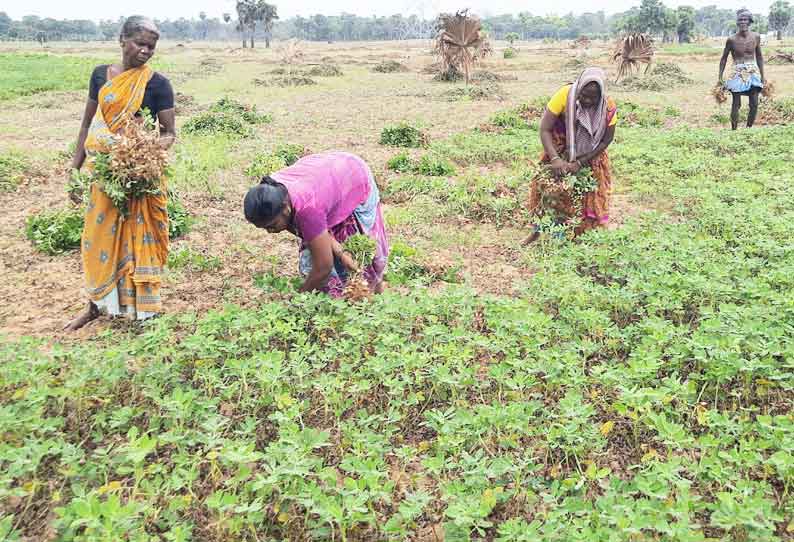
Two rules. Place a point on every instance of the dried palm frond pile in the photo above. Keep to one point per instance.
(631, 52)
(720, 93)
(134, 165)
(781, 57)
(460, 42)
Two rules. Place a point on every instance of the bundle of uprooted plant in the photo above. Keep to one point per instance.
(768, 92)
(720, 93)
(362, 250)
(134, 165)
(559, 207)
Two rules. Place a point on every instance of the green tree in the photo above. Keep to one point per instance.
(5, 23)
(511, 37)
(651, 17)
(779, 17)
(686, 23)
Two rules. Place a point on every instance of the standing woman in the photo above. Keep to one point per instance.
(123, 259)
(323, 199)
(577, 127)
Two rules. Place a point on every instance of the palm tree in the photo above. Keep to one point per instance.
(269, 15)
(250, 12)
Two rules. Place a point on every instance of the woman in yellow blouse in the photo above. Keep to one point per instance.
(577, 127)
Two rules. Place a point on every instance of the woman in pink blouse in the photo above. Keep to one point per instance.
(323, 199)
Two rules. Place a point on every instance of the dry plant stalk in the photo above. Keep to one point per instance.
(719, 93)
(460, 42)
(632, 51)
(137, 155)
(357, 289)
(291, 53)
(768, 92)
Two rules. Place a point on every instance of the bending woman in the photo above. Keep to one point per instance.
(577, 127)
(323, 199)
(123, 258)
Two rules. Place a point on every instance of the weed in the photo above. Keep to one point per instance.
(389, 66)
(324, 70)
(56, 232)
(401, 163)
(403, 135)
(13, 167)
(485, 91)
(185, 258)
(247, 112)
(214, 123)
(434, 166)
(179, 220)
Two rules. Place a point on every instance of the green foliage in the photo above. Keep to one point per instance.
(509, 119)
(510, 52)
(281, 157)
(361, 247)
(511, 37)
(403, 135)
(185, 258)
(434, 166)
(631, 114)
(487, 90)
(495, 199)
(197, 159)
(215, 123)
(389, 66)
(429, 164)
(401, 163)
(179, 220)
(632, 352)
(25, 74)
(13, 167)
(403, 266)
(56, 232)
(247, 112)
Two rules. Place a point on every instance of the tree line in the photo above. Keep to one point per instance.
(256, 19)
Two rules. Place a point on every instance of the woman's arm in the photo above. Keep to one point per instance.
(322, 263)
(759, 58)
(558, 165)
(167, 120)
(88, 116)
(606, 141)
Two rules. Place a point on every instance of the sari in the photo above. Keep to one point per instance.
(123, 256)
(577, 132)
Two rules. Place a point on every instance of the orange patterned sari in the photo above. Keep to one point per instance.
(123, 257)
(595, 205)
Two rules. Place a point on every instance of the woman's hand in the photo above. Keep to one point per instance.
(574, 167)
(559, 167)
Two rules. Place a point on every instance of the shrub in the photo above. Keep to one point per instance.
(213, 122)
(487, 91)
(56, 232)
(264, 164)
(325, 70)
(400, 163)
(510, 53)
(247, 112)
(13, 167)
(434, 166)
(403, 135)
(389, 66)
(179, 219)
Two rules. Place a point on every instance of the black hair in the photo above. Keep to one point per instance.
(137, 23)
(747, 12)
(264, 201)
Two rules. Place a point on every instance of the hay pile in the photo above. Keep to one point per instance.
(389, 66)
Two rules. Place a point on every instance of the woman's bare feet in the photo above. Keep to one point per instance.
(90, 313)
(380, 287)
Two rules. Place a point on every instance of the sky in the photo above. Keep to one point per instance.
(171, 9)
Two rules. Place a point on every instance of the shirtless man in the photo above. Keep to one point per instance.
(748, 78)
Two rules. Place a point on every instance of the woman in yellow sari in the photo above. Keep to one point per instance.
(123, 257)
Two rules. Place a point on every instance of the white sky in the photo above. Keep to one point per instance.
(171, 9)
